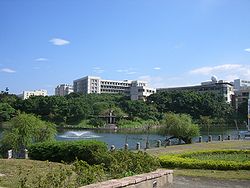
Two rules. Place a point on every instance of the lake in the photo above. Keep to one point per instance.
(119, 138)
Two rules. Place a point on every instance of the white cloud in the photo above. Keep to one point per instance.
(98, 70)
(216, 69)
(41, 59)
(7, 70)
(59, 42)
(247, 49)
(126, 71)
(121, 70)
(226, 72)
(131, 72)
(153, 81)
(157, 68)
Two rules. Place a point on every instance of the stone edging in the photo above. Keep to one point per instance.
(133, 180)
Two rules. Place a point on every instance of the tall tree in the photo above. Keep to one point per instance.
(24, 130)
(179, 126)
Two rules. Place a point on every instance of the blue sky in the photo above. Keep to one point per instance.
(165, 42)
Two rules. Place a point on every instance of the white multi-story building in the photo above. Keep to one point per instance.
(221, 87)
(241, 84)
(135, 89)
(139, 90)
(241, 91)
(63, 89)
(27, 94)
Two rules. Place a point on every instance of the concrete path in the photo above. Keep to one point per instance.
(200, 182)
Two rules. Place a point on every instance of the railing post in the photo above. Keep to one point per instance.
(238, 136)
(112, 148)
(158, 143)
(210, 138)
(126, 146)
(10, 152)
(147, 145)
(138, 146)
(26, 154)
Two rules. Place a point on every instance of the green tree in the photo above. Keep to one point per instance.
(24, 130)
(193, 103)
(179, 126)
(6, 112)
(206, 121)
(140, 109)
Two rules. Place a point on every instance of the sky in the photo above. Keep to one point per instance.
(167, 43)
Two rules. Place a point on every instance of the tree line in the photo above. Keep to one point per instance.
(73, 108)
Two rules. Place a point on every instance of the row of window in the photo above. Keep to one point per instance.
(147, 90)
(113, 87)
(115, 83)
(110, 91)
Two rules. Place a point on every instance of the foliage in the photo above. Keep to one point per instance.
(60, 177)
(179, 126)
(88, 174)
(24, 130)
(206, 121)
(75, 107)
(56, 151)
(123, 163)
(96, 122)
(110, 165)
(243, 110)
(136, 123)
(193, 103)
(227, 155)
(217, 160)
(6, 112)
(129, 163)
(139, 109)
(35, 174)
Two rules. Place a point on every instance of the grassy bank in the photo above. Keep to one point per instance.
(232, 144)
(220, 174)
(14, 171)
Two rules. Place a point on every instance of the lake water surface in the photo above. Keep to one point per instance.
(119, 138)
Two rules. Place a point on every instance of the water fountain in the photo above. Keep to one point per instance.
(78, 135)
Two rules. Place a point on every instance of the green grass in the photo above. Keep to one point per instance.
(232, 144)
(215, 160)
(219, 174)
(238, 157)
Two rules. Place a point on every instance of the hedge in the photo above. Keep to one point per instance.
(68, 151)
(185, 160)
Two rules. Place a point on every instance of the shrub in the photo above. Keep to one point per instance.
(97, 122)
(190, 160)
(67, 151)
(123, 163)
(87, 174)
(110, 165)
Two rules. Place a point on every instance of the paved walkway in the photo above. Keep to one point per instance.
(201, 182)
